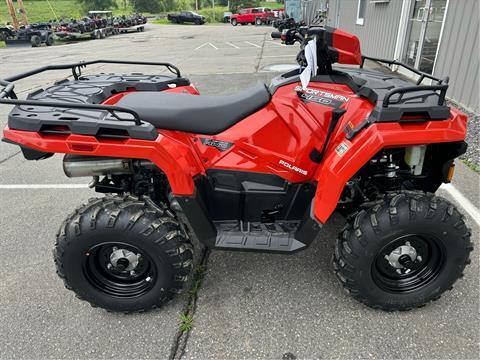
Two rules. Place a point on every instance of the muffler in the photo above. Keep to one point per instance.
(80, 166)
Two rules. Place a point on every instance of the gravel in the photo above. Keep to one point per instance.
(472, 155)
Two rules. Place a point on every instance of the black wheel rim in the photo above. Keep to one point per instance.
(421, 273)
(115, 282)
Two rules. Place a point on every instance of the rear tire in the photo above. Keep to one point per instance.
(234, 22)
(402, 252)
(123, 253)
(35, 41)
(258, 21)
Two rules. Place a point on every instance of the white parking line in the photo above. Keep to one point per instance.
(276, 43)
(469, 208)
(213, 46)
(199, 47)
(279, 56)
(42, 186)
(235, 46)
(248, 42)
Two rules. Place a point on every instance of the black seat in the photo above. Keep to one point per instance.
(204, 114)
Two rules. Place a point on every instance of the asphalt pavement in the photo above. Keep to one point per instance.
(250, 305)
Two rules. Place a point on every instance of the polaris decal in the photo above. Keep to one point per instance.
(220, 145)
(293, 167)
(321, 97)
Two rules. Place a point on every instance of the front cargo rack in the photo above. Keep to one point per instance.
(81, 101)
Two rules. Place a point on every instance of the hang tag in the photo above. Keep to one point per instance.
(311, 68)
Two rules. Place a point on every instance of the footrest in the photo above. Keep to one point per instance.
(277, 237)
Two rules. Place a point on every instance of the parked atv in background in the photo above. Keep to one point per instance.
(140, 19)
(35, 34)
(261, 170)
(286, 24)
(7, 32)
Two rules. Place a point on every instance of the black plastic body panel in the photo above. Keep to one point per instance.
(29, 153)
(93, 89)
(197, 216)
(250, 212)
(253, 197)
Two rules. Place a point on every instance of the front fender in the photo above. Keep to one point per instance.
(345, 158)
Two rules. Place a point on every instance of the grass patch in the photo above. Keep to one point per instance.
(2, 44)
(472, 166)
(163, 21)
(214, 15)
(271, 5)
(186, 322)
(40, 10)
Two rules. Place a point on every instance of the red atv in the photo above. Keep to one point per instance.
(261, 170)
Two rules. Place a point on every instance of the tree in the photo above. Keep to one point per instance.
(235, 5)
(150, 6)
(89, 5)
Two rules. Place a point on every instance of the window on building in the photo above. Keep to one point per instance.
(362, 6)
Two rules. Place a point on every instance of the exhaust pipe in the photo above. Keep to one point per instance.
(276, 35)
(82, 166)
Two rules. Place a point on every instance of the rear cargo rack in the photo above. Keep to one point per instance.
(404, 104)
(422, 75)
(90, 121)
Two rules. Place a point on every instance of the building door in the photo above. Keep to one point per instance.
(423, 33)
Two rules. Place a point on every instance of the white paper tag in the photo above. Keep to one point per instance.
(311, 57)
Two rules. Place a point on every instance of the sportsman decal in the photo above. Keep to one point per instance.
(321, 97)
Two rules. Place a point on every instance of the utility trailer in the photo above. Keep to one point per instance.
(106, 16)
(95, 34)
(101, 21)
(132, 29)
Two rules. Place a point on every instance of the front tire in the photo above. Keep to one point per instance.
(123, 253)
(402, 252)
(234, 22)
(50, 40)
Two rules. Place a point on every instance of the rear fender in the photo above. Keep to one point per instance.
(171, 152)
(344, 158)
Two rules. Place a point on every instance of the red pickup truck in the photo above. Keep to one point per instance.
(254, 16)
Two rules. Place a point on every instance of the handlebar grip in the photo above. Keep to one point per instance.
(276, 35)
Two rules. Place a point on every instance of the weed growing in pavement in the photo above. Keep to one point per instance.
(197, 280)
(186, 323)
